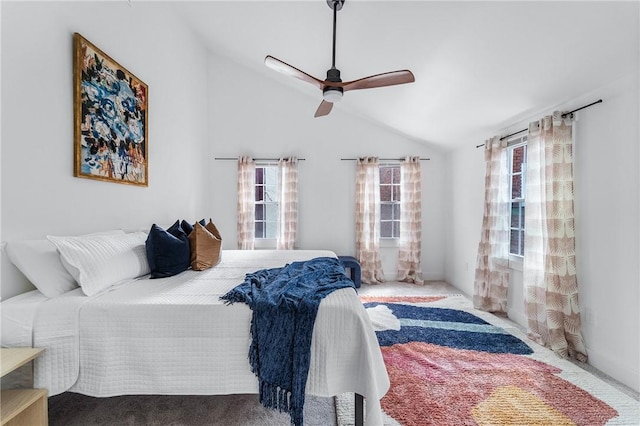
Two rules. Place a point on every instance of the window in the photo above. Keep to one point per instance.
(266, 216)
(390, 201)
(517, 152)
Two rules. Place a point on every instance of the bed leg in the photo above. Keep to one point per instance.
(359, 410)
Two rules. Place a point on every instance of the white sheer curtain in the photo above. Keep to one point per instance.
(492, 267)
(288, 196)
(368, 219)
(550, 283)
(410, 244)
(246, 202)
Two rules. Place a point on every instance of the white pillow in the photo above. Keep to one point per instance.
(39, 261)
(99, 261)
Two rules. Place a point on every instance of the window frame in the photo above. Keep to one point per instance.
(259, 241)
(516, 259)
(395, 204)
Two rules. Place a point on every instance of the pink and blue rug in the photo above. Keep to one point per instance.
(452, 365)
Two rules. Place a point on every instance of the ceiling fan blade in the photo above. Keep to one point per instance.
(324, 109)
(380, 80)
(283, 67)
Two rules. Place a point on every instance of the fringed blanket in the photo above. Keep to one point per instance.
(284, 302)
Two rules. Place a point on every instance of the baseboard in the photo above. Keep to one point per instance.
(517, 317)
(432, 276)
(425, 276)
(627, 375)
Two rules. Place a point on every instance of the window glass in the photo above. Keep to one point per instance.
(266, 209)
(259, 212)
(259, 193)
(390, 201)
(385, 193)
(517, 152)
(396, 192)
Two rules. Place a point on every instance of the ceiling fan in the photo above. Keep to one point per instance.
(333, 87)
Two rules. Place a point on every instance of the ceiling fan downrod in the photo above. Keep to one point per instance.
(335, 6)
(333, 94)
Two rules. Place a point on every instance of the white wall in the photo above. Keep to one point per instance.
(608, 227)
(607, 185)
(201, 105)
(253, 113)
(40, 196)
(464, 202)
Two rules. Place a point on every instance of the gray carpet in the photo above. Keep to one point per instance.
(72, 409)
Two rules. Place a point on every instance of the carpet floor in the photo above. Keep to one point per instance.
(450, 364)
(71, 409)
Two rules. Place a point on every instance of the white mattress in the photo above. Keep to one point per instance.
(174, 336)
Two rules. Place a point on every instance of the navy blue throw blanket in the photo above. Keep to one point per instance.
(284, 302)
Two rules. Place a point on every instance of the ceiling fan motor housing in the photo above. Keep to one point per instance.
(332, 93)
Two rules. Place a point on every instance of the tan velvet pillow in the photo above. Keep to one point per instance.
(205, 244)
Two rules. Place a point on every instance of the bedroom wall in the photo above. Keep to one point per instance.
(40, 196)
(607, 189)
(253, 113)
(201, 105)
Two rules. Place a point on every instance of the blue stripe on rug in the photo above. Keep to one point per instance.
(456, 326)
(448, 327)
(434, 314)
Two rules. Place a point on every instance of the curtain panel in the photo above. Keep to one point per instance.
(246, 202)
(550, 282)
(410, 243)
(288, 203)
(492, 266)
(368, 219)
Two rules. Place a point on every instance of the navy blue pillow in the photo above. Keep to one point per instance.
(187, 227)
(167, 251)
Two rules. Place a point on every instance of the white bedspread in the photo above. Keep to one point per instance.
(174, 336)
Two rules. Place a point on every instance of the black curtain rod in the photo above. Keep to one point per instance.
(255, 159)
(382, 159)
(563, 116)
(515, 133)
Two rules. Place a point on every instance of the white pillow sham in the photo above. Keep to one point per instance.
(40, 262)
(97, 262)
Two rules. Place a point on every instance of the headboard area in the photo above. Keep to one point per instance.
(34, 262)
(56, 264)
(13, 281)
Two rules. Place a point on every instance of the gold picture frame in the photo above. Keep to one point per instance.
(110, 118)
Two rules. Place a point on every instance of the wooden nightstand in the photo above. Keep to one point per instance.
(21, 406)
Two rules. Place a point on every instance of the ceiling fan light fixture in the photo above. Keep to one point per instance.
(332, 94)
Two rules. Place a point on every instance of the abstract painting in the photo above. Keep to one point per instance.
(110, 115)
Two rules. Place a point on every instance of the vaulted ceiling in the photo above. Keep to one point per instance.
(479, 66)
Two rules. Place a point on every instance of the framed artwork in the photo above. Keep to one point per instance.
(110, 114)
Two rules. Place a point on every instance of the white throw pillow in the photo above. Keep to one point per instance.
(39, 261)
(99, 261)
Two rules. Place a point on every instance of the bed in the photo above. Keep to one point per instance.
(174, 336)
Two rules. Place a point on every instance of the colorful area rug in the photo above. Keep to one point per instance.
(450, 364)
